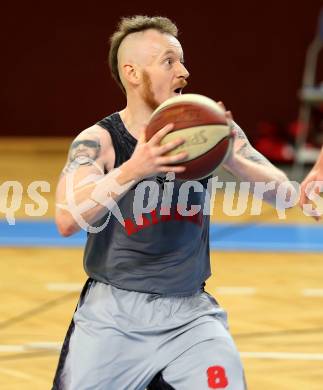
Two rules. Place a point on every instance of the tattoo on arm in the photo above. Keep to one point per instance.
(81, 153)
(246, 150)
(252, 154)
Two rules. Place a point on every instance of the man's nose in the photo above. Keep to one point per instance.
(183, 72)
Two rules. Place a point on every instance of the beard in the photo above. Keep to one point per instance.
(148, 94)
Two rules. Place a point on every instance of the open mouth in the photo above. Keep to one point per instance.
(178, 91)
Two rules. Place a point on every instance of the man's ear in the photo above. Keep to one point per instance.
(131, 73)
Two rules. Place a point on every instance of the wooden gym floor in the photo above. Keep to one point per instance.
(274, 299)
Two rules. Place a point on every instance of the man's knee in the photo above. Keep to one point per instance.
(213, 364)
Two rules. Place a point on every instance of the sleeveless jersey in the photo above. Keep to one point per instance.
(165, 252)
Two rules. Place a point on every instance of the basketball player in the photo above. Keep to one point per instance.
(143, 319)
(315, 175)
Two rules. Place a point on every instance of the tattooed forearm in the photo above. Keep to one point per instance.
(244, 148)
(247, 151)
(82, 152)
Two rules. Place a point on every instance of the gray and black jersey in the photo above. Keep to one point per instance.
(163, 251)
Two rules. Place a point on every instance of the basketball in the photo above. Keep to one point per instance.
(203, 124)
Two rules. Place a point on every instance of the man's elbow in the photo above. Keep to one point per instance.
(66, 225)
(64, 230)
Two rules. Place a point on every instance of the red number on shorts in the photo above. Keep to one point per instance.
(216, 377)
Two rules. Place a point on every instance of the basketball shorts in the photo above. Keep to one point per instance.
(125, 340)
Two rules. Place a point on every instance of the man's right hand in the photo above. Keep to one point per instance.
(149, 157)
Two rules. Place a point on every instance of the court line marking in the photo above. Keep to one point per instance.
(283, 355)
(15, 373)
(275, 333)
(290, 237)
(312, 292)
(12, 348)
(56, 346)
(70, 287)
(235, 290)
(28, 347)
(36, 310)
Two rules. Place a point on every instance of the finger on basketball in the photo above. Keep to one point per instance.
(176, 158)
(221, 105)
(172, 168)
(156, 138)
(143, 135)
(228, 115)
(163, 149)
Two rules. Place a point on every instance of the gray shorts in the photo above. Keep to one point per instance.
(126, 340)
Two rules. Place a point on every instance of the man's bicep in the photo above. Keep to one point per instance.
(88, 155)
(85, 150)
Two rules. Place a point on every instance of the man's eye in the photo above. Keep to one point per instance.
(169, 61)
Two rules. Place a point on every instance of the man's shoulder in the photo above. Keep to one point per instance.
(109, 121)
(97, 132)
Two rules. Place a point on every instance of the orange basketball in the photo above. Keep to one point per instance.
(202, 123)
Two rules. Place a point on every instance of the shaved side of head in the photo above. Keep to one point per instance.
(137, 50)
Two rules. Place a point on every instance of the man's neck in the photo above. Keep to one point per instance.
(135, 117)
